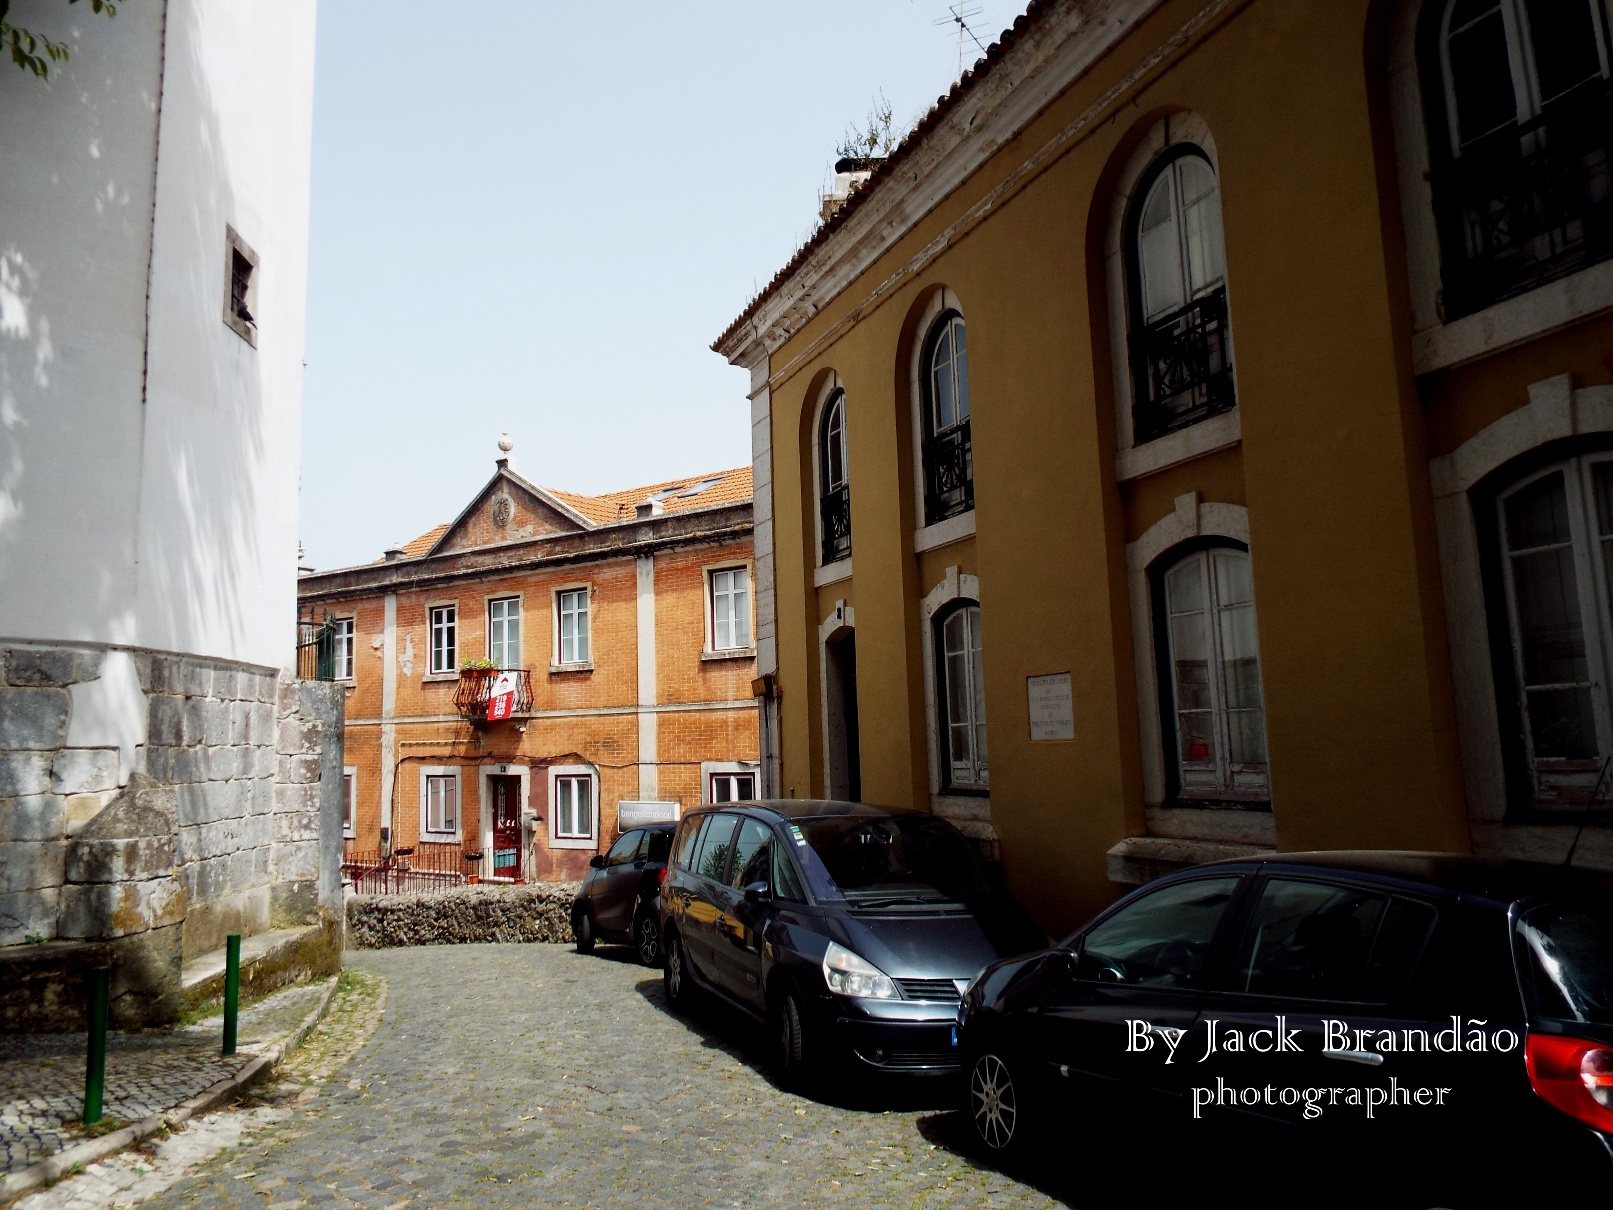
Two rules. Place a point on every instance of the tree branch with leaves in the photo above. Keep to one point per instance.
(874, 137)
(35, 52)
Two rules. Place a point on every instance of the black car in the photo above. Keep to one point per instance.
(852, 929)
(1457, 1008)
(618, 897)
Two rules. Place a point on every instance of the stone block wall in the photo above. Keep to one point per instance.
(467, 915)
(145, 792)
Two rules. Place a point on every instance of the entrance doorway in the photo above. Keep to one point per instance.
(840, 688)
(506, 793)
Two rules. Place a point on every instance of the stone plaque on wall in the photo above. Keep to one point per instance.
(1052, 713)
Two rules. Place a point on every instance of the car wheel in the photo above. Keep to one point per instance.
(996, 1104)
(647, 939)
(675, 975)
(792, 1049)
(582, 928)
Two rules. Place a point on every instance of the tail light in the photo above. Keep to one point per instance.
(660, 876)
(1574, 1075)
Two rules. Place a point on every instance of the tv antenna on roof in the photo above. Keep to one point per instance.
(960, 14)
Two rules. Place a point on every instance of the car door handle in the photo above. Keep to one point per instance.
(1370, 1057)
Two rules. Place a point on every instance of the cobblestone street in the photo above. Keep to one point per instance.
(520, 1075)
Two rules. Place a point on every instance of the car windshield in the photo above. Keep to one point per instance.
(892, 861)
(1569, 951)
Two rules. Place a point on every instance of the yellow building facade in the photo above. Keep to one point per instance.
(1191, 441)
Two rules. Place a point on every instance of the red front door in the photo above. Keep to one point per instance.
(506, 827)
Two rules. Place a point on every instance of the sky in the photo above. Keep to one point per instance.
(535, 217)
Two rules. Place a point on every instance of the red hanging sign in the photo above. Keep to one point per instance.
(501, 704)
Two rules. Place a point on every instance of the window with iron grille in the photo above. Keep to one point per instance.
(1520, 127)
(444, 627)
(240, 286)
(571, 607)
(1180, 338)
(342, 647)
(948, 457)
(730, 608)
(834, 500)
(504, 632)
(961, 701)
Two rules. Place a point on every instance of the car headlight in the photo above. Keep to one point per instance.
(851, 975)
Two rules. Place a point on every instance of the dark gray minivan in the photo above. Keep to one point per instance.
(852, 929)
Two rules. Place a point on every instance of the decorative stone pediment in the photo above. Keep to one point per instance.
(508, 510)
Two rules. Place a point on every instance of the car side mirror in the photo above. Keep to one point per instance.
(1061, 966)
(597, 861)
(757, 892)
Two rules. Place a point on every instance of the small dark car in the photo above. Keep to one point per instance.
(618, 897)
(1456, 1010)
(851, 929)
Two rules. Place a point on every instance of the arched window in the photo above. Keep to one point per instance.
(1555, 530)
(834, 493)
(949, 478)
(1181, 346)
(1212, 654)
(1520, 121)
(961, 703)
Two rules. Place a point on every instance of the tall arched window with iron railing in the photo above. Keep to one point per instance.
(1520, 128)
(948, 456)
(834, 492)
(1181, 341)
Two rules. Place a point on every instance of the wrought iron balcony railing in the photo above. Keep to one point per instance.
(1528, 203)
(835, 511)
(949, 474)
(1182, 367)
(475, 691)
(316, 650)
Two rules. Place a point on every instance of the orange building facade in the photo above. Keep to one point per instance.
(625, 623)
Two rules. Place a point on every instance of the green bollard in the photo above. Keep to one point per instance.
(95, 1065)
(232, 988)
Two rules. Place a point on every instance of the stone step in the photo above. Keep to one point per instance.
(268, 960)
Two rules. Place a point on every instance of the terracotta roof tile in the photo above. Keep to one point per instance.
(942, 107)
(677, 496)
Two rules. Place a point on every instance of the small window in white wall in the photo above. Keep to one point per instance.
(342, 648)
(240, 287)
(963, 698)
(444, 626)
(1213, 653)
(504, 632)
(439, 804)
(574, 807)
(730, 608)
(571, 607)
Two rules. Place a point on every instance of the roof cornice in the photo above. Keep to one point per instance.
(1048, 49)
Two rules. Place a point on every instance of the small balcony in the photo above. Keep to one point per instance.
(835, 510)
(949, 474)
(475, 692)
(1529, 203)
(316, 650)
(1183, 368)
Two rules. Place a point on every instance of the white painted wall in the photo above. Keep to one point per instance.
(149, 458)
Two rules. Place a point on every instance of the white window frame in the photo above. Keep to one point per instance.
(831, 389)
(711, 770)
(557, 597)
(953, 529)
(349, 802)
(976, 771)
(558, 774)
(710, 576)
(1233, 782)
(451, 667)
(429, 835)
(520, 627)
(970, 809)
(344, 646)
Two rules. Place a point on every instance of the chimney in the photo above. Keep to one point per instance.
(303, 569)
(850, 172)
(394, 552)
(649, 508)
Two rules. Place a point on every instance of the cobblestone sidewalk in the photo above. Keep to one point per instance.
(135, 1176)
(42, 1075)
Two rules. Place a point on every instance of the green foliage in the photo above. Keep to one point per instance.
(35, 52)
(478, 666)
(874, 136)
(34, 939)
